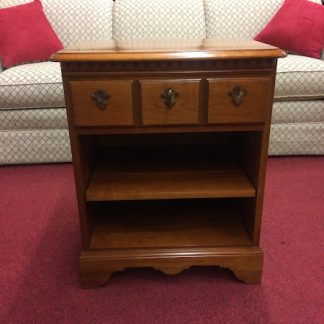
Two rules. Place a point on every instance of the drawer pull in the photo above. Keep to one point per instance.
(169, 97)
(238, 95)
(101, 97)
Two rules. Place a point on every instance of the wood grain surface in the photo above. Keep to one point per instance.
(166, 49)
(119, 110)
(254, 107)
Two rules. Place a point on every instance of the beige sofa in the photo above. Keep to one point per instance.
(33, 126)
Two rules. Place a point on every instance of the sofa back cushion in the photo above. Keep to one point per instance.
(75, 20)
(239, 19)
(159, 19)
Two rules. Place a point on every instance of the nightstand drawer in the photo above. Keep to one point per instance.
(171, 102)
(102, 103)
(239, 100)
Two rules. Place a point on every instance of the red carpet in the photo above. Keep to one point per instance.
(40, 247)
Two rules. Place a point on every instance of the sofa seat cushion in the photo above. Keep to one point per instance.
(302, 111)
(159, 19)
(299, 78)
(36, 85)
(296, 139)
(34, 146)
(24, 119)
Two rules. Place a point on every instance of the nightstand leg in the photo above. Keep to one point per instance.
(248, 277)
(94, 279)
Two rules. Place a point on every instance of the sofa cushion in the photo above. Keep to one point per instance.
(250, 16)
(75, 20)
(296, 139)
(152, 19)
(34, 146)
(301, 111)
(24, 119)
(35, 85)
(299, 77)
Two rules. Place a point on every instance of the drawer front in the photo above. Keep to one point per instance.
(170, 102)
(239, 100)
(102, 103)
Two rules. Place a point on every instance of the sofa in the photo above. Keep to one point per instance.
(33, 125)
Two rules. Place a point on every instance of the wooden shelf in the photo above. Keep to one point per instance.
(155, 177)
(175, 223)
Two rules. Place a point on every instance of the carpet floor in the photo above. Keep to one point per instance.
(40, 246)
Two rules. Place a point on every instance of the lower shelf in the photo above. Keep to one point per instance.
(174, 223)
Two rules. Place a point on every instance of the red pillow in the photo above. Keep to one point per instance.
(26, 35)
(297, 27)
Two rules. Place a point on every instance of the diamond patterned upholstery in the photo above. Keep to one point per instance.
(299, 77)
(297, 128)
(153, 19)
(250, 17)
(298, 111)
(35, 85)
(220, 15)
(75, 20)
(311, 111)
(33, 124)
(29, 119)
(34, 146)
(296, 139)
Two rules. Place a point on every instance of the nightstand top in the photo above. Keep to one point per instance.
(166, 49)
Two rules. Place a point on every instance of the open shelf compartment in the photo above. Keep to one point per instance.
(222, 178)
(168, 224)
(202, 169)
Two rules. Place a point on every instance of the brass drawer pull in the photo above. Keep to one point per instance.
(101, 97)
(238, 95)
(169, 97)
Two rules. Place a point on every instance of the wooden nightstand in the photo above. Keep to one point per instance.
(169, 142)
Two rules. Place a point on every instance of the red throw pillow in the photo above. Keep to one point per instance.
(26, 35)
(297, 27)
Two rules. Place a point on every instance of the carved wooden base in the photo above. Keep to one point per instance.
(96, 267)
